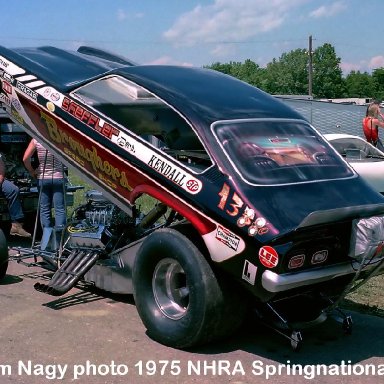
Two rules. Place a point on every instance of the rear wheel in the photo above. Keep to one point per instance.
(179, 299)
(3, 255)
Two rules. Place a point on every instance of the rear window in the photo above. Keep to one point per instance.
(278, 151)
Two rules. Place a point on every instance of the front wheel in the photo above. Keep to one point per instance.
(3, 255)
(179, 299)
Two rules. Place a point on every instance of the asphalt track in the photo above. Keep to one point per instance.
(91, 337)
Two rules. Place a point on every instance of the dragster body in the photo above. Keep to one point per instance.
(252, 206)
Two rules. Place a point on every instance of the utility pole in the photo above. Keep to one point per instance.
(310, 68)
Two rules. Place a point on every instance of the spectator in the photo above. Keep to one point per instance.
(374, 101)
(371, 124)
(11, 193)
(51, 182)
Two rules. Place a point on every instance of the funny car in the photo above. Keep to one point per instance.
(366, 159)
(248, 209)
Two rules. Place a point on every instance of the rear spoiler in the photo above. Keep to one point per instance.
(341, 214)
(106, 55)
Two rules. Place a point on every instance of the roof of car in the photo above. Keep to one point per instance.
(195, 92)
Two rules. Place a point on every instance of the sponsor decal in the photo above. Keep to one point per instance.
(16, 104)
(5, 99)
(262, 231)
(257, 225)
(246, 218)
(268, 256)
(125, 142)
(7, 77)
(55, 96)
(11, 68)
(50, 106)
(23, 88)
(47, 92)
(249, 272)
(111, 175)
(7, 87)
(3, 63)
(167, 169)
(89, 118)
(17, 116)
(159, 163)
(192, 185)
(227, 237)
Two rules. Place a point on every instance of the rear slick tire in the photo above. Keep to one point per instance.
(178, 297)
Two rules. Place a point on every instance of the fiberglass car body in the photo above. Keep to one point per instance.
(366, 160)
(253, 197)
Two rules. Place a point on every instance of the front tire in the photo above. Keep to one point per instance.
(179, 299)
(3, 255)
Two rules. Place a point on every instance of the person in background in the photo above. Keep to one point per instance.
(11, 193)
(371, 124)
(374, 101)
(51, 182)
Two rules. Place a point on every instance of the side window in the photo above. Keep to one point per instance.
(142, 113)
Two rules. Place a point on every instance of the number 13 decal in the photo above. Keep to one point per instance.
(257, 225)
(237, 202)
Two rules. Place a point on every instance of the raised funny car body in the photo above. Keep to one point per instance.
(249, 203)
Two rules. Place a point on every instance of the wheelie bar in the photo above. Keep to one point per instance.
(73, 269)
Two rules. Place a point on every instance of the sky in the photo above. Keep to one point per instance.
(199, 33)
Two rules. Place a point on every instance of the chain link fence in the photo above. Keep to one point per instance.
(329, 117)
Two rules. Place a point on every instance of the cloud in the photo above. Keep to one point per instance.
(328, 10)
(363, 65)
(229, 21)
(167, 60)
(376, 62)
(223, 50)
(348, 67)
(121, 15)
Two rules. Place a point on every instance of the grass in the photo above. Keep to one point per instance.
(145, 202)
(79, 195)
(368, 298)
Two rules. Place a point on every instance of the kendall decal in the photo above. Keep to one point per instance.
(159, 163)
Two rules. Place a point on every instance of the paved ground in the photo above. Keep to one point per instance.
(101, 340)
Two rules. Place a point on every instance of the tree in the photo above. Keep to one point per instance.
(328, 81)
(359, 85)
(378, 83)
(288, 75)
(248, 71)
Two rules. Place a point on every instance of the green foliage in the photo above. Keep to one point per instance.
(378, 83)
(328, 81)
(360, 84)
(288, 75)
(248, 71)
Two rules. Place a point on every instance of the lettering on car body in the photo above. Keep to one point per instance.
(227, 237)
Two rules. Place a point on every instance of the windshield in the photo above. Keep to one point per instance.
(355, 148)
(278, 151)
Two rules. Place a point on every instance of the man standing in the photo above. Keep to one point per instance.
(11, 193)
